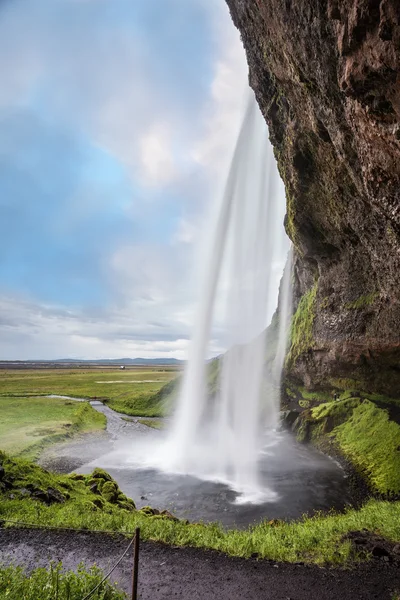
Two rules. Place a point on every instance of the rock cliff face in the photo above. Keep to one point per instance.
(326, 77)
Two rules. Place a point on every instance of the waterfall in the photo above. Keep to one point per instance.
(221, 437)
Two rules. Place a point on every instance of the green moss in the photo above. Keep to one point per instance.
(372, 443)
(347, 385)
(301, 331)
(22, 478)
(153, 423)
(304, 403)
(362, 301)
(364, 434)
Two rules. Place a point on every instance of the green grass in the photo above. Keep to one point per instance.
(28, 424)
(301, 330)
(55, 584)
(133, 392)
(372, 442)
(364, 434)
(153, 404)
(318, 539)
(154, 423)
(362, 301)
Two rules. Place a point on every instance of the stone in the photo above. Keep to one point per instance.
(324, 75)
(379, 552)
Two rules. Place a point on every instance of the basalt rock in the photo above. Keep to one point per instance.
(326, 77)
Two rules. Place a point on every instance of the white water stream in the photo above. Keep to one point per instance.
(221, 438)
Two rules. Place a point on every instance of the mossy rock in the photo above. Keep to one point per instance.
(363, 433)
(99, 502)
(77, 477)
(130, 506)
(148, 510)
(109, 491)
(101, 474)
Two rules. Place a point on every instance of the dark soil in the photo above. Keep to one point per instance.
(190, 573)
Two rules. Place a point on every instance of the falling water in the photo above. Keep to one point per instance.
(221, 437)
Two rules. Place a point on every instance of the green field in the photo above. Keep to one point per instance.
(29, 423)
(132, 391)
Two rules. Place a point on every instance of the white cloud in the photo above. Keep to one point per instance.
(156, 156)
(104, 88)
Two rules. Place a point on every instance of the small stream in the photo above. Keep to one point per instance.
(303, 480)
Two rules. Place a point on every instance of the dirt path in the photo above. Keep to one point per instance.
(192, 574)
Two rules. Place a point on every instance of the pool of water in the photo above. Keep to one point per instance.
(297, 478)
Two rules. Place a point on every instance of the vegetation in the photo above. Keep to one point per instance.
(139, 392)
(362, 301)
(301, 331)
(364, 434)
(154, 423)
(95, 502)
(28, 424)
(48, 584)
(152, 404)
(22, 480)
(318, 539)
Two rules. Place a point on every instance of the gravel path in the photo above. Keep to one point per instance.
(192, 574)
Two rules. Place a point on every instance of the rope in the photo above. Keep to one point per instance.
(61, 528)
(84, 531)
(109, 572)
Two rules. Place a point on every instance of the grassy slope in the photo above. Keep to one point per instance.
(29, 423)
(318, 539)
(135, 392)
(364, 434)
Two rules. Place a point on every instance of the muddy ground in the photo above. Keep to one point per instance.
(193, 574)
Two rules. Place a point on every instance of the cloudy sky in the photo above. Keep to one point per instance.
(117, 122)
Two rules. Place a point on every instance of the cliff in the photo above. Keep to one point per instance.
(326, 77)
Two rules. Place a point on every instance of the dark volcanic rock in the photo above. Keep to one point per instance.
(326, 77)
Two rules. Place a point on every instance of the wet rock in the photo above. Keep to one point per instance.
(379, 552)
(168, 515)
(94, 488)
(288, 418)
(325, 76)
(50, 496)
(396, 549)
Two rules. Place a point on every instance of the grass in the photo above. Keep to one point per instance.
(53, 583)
(134, 392)
(364, 434)
(28, 424)
(318, 539)
(301, 331)
(154, 423)
(362, 301)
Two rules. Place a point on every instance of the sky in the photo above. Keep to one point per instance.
(117, 124)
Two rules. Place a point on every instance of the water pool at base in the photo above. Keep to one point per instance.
(301, 479)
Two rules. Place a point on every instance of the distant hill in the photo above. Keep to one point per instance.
(122, 361)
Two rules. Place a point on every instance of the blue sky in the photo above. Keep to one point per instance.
(117, 122)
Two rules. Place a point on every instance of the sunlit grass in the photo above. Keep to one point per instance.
(133, 391)
(54, 583)
(28, 424)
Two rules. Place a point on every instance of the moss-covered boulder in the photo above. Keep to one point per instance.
(364, 433)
